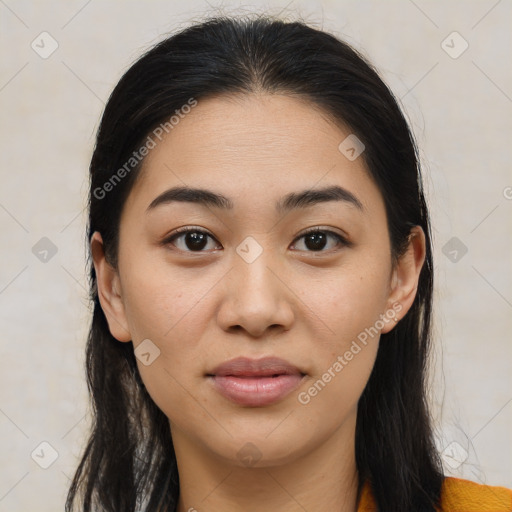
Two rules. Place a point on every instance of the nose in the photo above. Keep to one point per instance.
(256, 297)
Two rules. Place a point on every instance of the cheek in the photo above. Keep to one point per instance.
(348, 299)
(344, 355)
(348, 304)
(171, 313)
(166, 304)
(168, 308)
(337, 387)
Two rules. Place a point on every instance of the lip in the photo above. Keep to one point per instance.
(255, 382)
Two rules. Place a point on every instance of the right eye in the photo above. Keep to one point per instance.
(189, 239)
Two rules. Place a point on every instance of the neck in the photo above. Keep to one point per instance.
(322, 479)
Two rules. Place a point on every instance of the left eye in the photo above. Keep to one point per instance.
(196, 240)
(316, 239)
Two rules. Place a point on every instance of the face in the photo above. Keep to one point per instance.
(241, 279)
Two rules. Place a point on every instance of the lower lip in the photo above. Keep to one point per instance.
(256, 391)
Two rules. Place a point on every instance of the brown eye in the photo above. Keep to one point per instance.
(315, 240)
(190, 240)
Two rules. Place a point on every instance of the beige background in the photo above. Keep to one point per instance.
(461, 112)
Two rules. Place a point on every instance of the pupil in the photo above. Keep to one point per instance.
(195, 240)
(317, 241)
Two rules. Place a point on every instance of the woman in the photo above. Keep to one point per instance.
(262, 282)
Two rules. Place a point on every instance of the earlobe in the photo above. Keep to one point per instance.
(109, 291)
(404, 281)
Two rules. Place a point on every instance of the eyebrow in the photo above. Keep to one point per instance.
(291, 201)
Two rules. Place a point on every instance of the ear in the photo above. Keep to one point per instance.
(405, 276)
(109, 291)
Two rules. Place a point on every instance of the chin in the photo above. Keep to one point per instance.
(260, 450)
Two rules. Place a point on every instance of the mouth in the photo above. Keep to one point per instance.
(255, 382)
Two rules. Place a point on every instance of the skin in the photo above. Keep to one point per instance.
(305, 306)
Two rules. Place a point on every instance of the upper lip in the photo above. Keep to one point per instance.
(264, 367)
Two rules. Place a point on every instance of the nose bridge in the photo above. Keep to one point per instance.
(255, 298)
(252, 274)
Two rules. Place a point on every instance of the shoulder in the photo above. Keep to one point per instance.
(458, 495)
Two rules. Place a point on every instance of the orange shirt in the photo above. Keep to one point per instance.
(458, 495)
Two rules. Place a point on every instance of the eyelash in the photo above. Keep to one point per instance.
(342, 241)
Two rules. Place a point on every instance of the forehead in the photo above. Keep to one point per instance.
(261, 127)
(256, 146)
